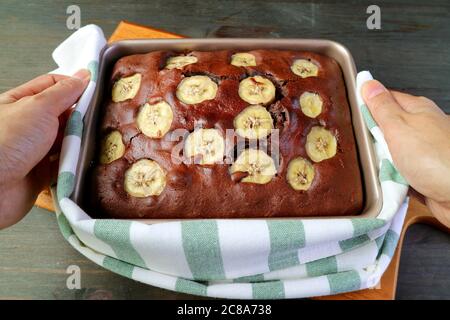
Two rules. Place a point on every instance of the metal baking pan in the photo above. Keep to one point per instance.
(112, 52)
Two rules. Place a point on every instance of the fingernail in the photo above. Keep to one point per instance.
(373, 88)
(82, 74)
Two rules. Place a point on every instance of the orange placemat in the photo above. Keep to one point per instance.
(417, 212)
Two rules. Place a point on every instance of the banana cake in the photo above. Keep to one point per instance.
(226, 134)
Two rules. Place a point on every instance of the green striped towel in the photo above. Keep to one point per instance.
(214, 257)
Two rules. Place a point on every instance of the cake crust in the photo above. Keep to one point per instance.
(208, 191)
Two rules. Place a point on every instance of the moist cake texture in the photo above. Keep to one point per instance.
(165, 149)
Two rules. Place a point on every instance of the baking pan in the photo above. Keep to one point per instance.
(112, 52)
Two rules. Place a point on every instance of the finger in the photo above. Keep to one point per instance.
(43, 173)
(63, 94)
(441, 211)
(384, 108)
(52, 157)
(31, 88)
(414, 104)
(413, 192)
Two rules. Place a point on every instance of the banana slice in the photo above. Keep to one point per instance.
(180, 61)
(207, 144)
(321, 144)
(257, 90)
(311, 104)
(145, 178)
(254, 122)
(258, 165)
(243, 59)
(126, 88)
(112, 148)
(154, 120)
(305, 68)
(300, 174)
(196, 89)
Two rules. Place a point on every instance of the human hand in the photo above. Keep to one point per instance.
(417, 132)
(28, 128)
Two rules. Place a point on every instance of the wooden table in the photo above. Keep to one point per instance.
(45, 276)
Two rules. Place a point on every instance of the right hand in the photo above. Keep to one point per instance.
(417, 132)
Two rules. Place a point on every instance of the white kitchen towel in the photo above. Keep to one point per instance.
(216, 257)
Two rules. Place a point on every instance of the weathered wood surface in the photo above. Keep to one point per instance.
(409, 53)
(425, 264)
(34, 258)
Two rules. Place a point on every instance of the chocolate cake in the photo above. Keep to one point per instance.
(226, 134)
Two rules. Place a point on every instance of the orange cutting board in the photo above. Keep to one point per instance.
(417, 212)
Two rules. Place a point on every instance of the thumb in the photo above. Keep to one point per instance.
(384, 108)
(63, 94)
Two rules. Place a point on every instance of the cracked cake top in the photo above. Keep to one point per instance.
(226, 134)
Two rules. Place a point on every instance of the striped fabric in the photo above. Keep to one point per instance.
(217, 258)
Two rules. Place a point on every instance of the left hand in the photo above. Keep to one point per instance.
(28, 129)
